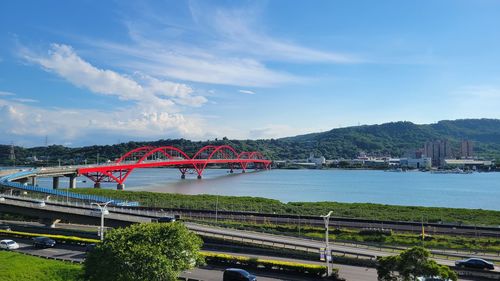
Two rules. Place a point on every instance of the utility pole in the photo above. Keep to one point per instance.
(97, 158)
(328, 253)
(12, 155)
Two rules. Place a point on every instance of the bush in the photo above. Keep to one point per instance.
(58, 238)
(158, 251)
(268, 265)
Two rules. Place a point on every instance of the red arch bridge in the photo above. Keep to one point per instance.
(150, 157)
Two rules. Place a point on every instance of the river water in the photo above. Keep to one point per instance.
(476, 191)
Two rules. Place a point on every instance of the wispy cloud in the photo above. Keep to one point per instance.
(24, 100)
(248, 92)
(6, 94)
(144, 89)
(218, 46)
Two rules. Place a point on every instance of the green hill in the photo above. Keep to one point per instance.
(395, 139)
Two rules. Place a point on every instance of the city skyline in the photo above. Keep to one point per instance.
(102, 72)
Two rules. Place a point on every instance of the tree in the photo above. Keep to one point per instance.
(410, 264)
(154, 251)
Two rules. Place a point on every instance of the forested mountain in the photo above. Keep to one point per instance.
(395, 139)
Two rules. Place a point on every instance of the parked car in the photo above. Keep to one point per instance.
(43, 242)
(166, 219)
(8, 244)
(475, 263)
(237, 274)
(5, 227)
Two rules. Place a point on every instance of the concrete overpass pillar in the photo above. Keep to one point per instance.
(55, 182)
(33, 181)
(120, 186)
(72, 181)
(97, 185)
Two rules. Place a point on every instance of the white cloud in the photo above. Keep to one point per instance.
(27, 122)
(155, 109)
(217, 46)
(247, 92)
(63, 61)
(275, 131)
(24, 100)
(5, 94)
(475, 101)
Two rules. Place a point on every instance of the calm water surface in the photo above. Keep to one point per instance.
(478, 190)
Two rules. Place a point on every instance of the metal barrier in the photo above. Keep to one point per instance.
(7, 181)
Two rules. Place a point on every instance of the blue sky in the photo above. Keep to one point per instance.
(99, 72)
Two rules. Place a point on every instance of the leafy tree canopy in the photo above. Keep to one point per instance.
(157, 251)
(411, 264)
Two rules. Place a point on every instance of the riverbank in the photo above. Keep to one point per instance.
(265, 205)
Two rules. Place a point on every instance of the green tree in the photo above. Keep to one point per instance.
(155, 251)
(410, 264)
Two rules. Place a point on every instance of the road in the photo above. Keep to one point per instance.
(77, 254)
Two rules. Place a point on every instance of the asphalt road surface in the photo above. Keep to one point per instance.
(77, 254)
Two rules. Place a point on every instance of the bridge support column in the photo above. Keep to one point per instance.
(33, 181)
(72, 181)
(120, 186)
(55, 182)
(97, 185)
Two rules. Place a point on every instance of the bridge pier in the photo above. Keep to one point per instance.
(120, 186)
(97, 185)
(72, 181)
(55, 182)
(33, 181)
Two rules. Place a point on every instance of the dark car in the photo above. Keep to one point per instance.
(166, 219)
(236, 274)
(5, 227)
(43, 242)
(475, 263)
(90, 247)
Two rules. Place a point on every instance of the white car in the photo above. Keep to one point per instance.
(431, 278)
(8, 245)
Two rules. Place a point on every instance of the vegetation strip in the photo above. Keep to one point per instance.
(16, 266)
(477, 217)
(60, 238)
(265, 264)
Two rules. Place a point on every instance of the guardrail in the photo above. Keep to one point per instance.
(7, 181)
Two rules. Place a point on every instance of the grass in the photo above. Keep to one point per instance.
(349, 210)
(15, 267)
(393, 239)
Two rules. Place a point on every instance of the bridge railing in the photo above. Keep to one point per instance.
(6, 181)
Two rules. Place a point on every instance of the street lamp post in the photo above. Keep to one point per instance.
(104, 211)
(328, 254)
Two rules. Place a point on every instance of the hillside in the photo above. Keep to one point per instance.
(395, 138)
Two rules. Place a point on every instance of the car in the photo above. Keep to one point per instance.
(5, 227)
(8, 245)
(166, 219)
(90, 247)
(431, 278)
(41, 204)
(97, 212)
(43, 242)
(237, 274)
(475, 263)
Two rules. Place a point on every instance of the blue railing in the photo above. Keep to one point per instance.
(7, 181)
